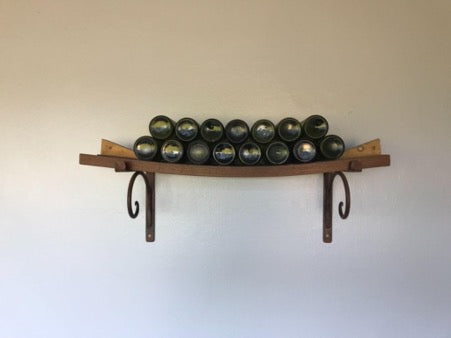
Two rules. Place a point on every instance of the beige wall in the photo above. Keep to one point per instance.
(233, 257)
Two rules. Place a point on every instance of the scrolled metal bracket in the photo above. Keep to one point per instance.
(327, 203)
(149, 180)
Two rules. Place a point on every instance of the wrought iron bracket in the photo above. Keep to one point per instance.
(149, 180)
(328, 201)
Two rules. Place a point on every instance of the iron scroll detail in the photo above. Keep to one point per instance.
(344, 214)
(131, 213)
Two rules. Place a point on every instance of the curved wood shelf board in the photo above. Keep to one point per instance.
(127, 164)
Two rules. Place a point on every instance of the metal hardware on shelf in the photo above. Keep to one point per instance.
(327, 203)
(149, 180)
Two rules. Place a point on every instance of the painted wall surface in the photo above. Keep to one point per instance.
(233, 257)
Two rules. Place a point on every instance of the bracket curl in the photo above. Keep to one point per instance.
(149, 180)
(327, 203)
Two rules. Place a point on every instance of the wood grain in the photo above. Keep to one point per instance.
(126, 164)
(109, 148)
(372, 147)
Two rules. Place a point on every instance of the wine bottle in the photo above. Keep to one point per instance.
(277, 152)
(250, 153)
(289, 129)
(315, 127)
(186, 129)
(263, 131)
(198, 152)
(161, 127)
(145, 148)
(224, 153)
(332, 147)
(212, 130)
(172, 151)
(237, 131)
(304, 151)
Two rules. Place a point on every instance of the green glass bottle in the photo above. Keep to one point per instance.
(145, 148)
(289, 129)
(237, 131)
(161, 127)
(198, 152)
(172, 151)
(212, 130)
(277, 153)
(249, 153)
(263, 131)
(315, 127)
(224, 153)
(304, 151)
(332, 147)
(186, 129)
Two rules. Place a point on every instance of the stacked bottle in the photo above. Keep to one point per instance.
(290, 141)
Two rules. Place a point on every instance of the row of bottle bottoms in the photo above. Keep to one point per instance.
(265, 143)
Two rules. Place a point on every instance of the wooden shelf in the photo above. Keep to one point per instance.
(127, 164)
(147, 170)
